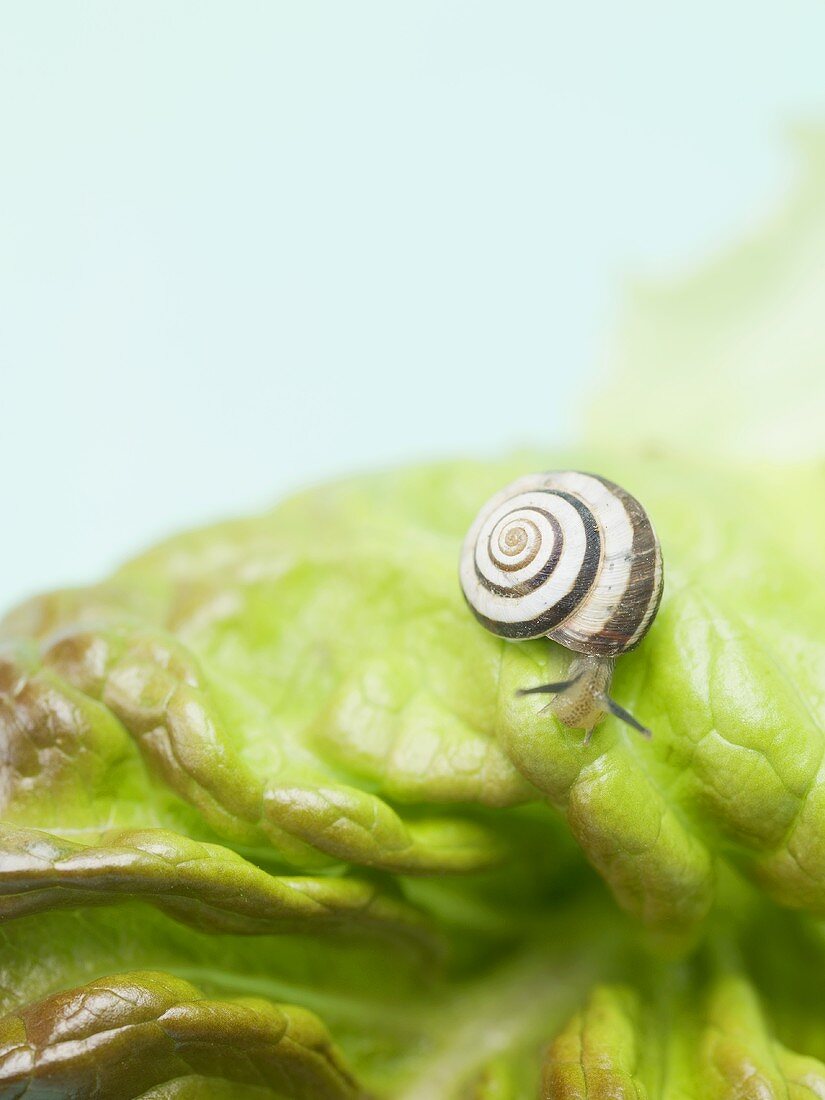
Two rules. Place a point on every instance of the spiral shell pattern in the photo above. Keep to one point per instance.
(568, 555)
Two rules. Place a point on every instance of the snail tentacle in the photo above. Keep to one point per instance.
(625, 716)
(548, 689)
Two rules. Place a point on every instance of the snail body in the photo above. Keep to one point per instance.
(573, 557)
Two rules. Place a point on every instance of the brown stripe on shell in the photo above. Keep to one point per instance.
(639, 596)
(544, 623)
(637, 556)
(539, 578)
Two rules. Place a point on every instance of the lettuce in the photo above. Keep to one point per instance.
(276, 824)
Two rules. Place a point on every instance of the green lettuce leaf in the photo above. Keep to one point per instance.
(616, 1046)
(276, 763)
(373, 697)
(203, 885)
(121, 1036)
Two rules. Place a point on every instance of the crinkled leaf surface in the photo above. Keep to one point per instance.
(118, 1037)
(272, 783)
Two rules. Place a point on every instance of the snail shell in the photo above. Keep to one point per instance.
(566, 555)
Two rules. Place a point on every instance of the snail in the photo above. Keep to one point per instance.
(572, 557)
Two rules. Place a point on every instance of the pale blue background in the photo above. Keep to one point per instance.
(244, 246)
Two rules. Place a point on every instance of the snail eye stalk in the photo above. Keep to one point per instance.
(625, 716)
(548, 689)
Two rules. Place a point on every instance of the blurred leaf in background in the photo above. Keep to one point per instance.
(731, 362)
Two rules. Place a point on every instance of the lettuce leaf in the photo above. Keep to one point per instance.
(271, 783)
(122, 1036)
